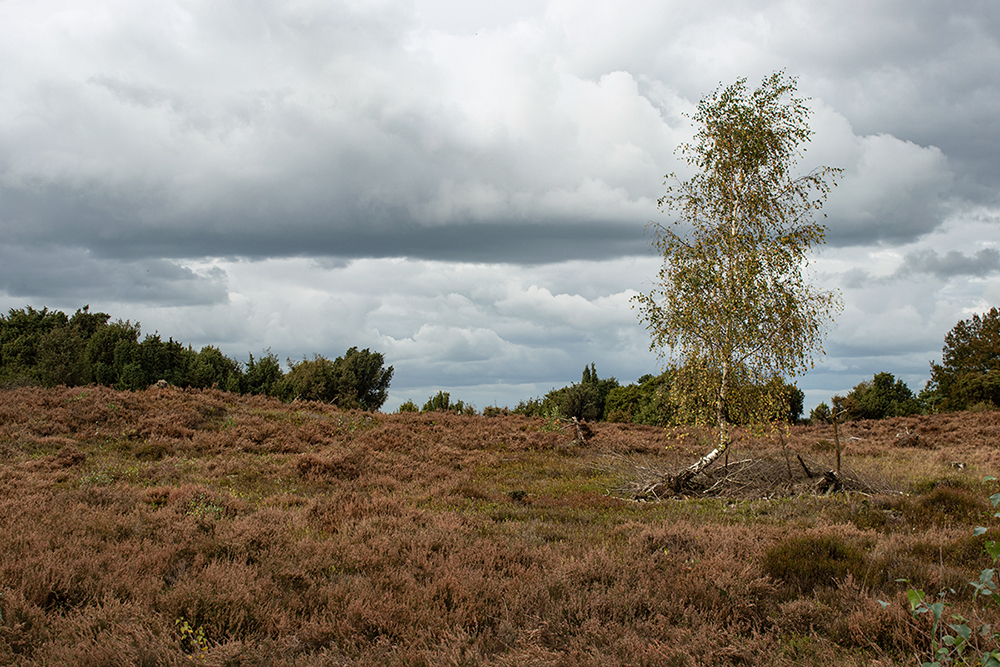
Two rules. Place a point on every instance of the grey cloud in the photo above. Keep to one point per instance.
(856, 278)
(927, 262)
(122, 229)
(923, 72)
(335, 130)
(74, 275)
(951, 264)
(892, 191)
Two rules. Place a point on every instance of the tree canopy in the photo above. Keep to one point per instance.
(969, 372)
(43, 347)
(731, 304)
(879, 398)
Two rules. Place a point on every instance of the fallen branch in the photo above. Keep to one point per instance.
(804, 467)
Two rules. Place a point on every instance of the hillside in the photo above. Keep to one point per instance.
(174, 527)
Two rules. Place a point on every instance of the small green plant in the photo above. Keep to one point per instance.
(79, 397)
(408, 406)
(951, 649)
(203, 508)
(192, 638)
(554, 420)
(102, 477)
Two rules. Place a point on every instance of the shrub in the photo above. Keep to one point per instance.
(969, 371)
(820, 414)
(808, 562)
(441, 402)
(356, 380)
(881, 397)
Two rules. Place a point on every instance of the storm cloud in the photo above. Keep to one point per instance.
(160, 158)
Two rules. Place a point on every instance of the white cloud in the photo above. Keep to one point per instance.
(512, 152)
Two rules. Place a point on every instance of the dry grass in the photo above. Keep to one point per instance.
(174, 527)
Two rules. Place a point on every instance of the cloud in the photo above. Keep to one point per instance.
(952, 264)
(924, 263)
(323, 131)
(891, 190)
(345, 130)
(68, 276)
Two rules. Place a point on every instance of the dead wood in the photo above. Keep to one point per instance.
(760, 476)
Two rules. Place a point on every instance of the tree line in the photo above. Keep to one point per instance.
(48, 348)
(662, 400)
(968, 378)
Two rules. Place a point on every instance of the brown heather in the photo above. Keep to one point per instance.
(173, 527)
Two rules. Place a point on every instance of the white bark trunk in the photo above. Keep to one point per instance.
(724, 439)
(708, 459)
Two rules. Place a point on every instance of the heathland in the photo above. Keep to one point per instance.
(174, 527)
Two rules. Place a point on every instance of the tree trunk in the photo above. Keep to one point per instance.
(724, 439)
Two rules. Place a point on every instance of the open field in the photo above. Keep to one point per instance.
(172, 527)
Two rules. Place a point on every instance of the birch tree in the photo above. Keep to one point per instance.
(732, 304)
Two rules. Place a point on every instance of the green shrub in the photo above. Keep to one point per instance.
(442, 402)
(881, 397)
(808, 562)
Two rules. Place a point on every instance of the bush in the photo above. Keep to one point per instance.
(356, 380)
(881, 397)
(310, 380)
(581, 401)
(808, 562)
(360, 380)
(263, 375)
(442, 402)
(42, 347)
(820, 414)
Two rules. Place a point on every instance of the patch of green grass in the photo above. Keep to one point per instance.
(107, 471)
(203, 507)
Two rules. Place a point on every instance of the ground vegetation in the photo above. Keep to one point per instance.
(184, 526)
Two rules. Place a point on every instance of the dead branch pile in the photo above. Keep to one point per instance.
(761, 475)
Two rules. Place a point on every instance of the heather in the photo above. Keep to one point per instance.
(182, 526)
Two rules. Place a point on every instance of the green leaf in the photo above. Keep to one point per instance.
(978, 530)
(963, 631)
(916, 598)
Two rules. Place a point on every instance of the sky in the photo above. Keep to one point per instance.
(466, 187)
